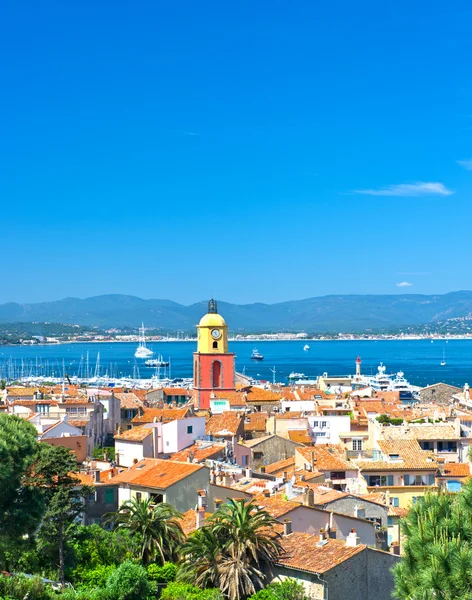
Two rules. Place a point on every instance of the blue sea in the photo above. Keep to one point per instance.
(418, 359)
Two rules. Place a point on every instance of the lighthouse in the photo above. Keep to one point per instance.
(358, 366)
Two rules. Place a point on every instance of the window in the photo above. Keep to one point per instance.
(258, 455)
(138, 496)
(389, 521)
(394, 501)
(426, 446)
(323, 424)
(357, 445)
(92, 497)
(109, 496)
(419, 479)
(216, 374)
(320, 434)
(129, 414)
(315, 424)
(380, 480)
(215, 345)
(338, 475)
(189, 428)
(244, 460)
(42, 408)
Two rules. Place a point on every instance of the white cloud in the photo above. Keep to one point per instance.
(467, 164)
(404, 284)
(418, 188)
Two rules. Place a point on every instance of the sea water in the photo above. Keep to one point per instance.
(418, 359)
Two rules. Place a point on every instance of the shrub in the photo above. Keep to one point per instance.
(289, 589)
(128, 582)
(16, 588)
(162, 574)
(96, 578)
(185, 591)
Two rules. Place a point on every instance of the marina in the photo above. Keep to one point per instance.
(416, 359)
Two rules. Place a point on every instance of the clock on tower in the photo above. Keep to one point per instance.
(213, 366)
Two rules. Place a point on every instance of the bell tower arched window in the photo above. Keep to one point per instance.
(215, 345)
(216, 378)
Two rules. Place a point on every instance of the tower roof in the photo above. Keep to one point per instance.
(212, 320)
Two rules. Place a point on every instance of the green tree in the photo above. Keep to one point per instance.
(21, 501)
(234, 551)
(437, 560)
(128, 582)
(156, 525)
(289, 589)
(64, 494)
(185, 591)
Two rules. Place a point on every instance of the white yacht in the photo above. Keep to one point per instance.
(382, 382)
(142, 351)
(306, 347)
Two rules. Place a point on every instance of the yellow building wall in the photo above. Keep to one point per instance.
(405, 493)
(205, 340)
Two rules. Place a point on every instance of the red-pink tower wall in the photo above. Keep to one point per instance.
(212, 372)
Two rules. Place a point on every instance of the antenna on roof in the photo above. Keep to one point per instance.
(273, 374)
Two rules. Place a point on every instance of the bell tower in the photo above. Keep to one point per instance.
(213, 365)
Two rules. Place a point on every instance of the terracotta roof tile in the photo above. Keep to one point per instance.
(176, 391)
(235, 398)
(423, 431)
(225, 424)
(410, 454)
(456, 470)
(137, 434)
(256, 394)
(326, 458)
(281, 466)
(200, 452)
(156, 473)
(255, 422)
(275, 505)
(189, 521)
(161, 414)
(129, 400)
(300, 435)
(303, 553)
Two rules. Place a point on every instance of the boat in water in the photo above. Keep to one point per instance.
(256, 355)
(306, 347)
(382, 382)
(157, 362)
(294, 375)
(142, 351)
(443, 362)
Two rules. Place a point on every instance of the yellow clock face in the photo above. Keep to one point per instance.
(215, 334)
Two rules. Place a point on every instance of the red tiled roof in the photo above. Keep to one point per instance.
(300, 435)
(326, 458)
(227, 423)
(156, 473)
(161, 414)
(281, 466)
(137, 434)
(456, 470)
(200, 452)
(301, 552)
(255, 422)
(129, 400)
(176, 391)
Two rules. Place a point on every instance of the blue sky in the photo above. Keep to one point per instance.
(258, 151)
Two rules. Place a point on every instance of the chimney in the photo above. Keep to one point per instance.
(201, 498)
(352, 539)
(287, 527)
(262, 469)
(285, 475)
(313, 460)
(395, 548)
(266, 493)
(309, 497)
(96, 476)
(359, 511)
(218, 503)
(200, 513)
(332, 533)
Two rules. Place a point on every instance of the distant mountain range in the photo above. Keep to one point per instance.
(336, 313)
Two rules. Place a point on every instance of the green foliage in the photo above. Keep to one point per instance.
(105, 453)
(95, 578)
(289, 589)
(16, 588)
(388, 420)
(437, 560)
(162, 573)
(21, 502)
(233, 551)
(128, 582)
(156, 525)
(185, 591)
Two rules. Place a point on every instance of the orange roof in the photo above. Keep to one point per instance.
(410, 453)
(235, 398)
(137, 434)
(280, 466)
(28, 403)
(256, 394)
(326, 458)
(275, 505)
(300, 435)
(156, 473)
(200, 452)
(324, 495)
(288, 394)
(129, 400)
(224, 424)
(21, 391)
(176, 391)
(456, 470)
(189, 521)
(160, 414)
(78, 422)
(255, 421)
(301, 551)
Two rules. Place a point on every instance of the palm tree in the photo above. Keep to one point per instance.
(233, 550)
(156, 524)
